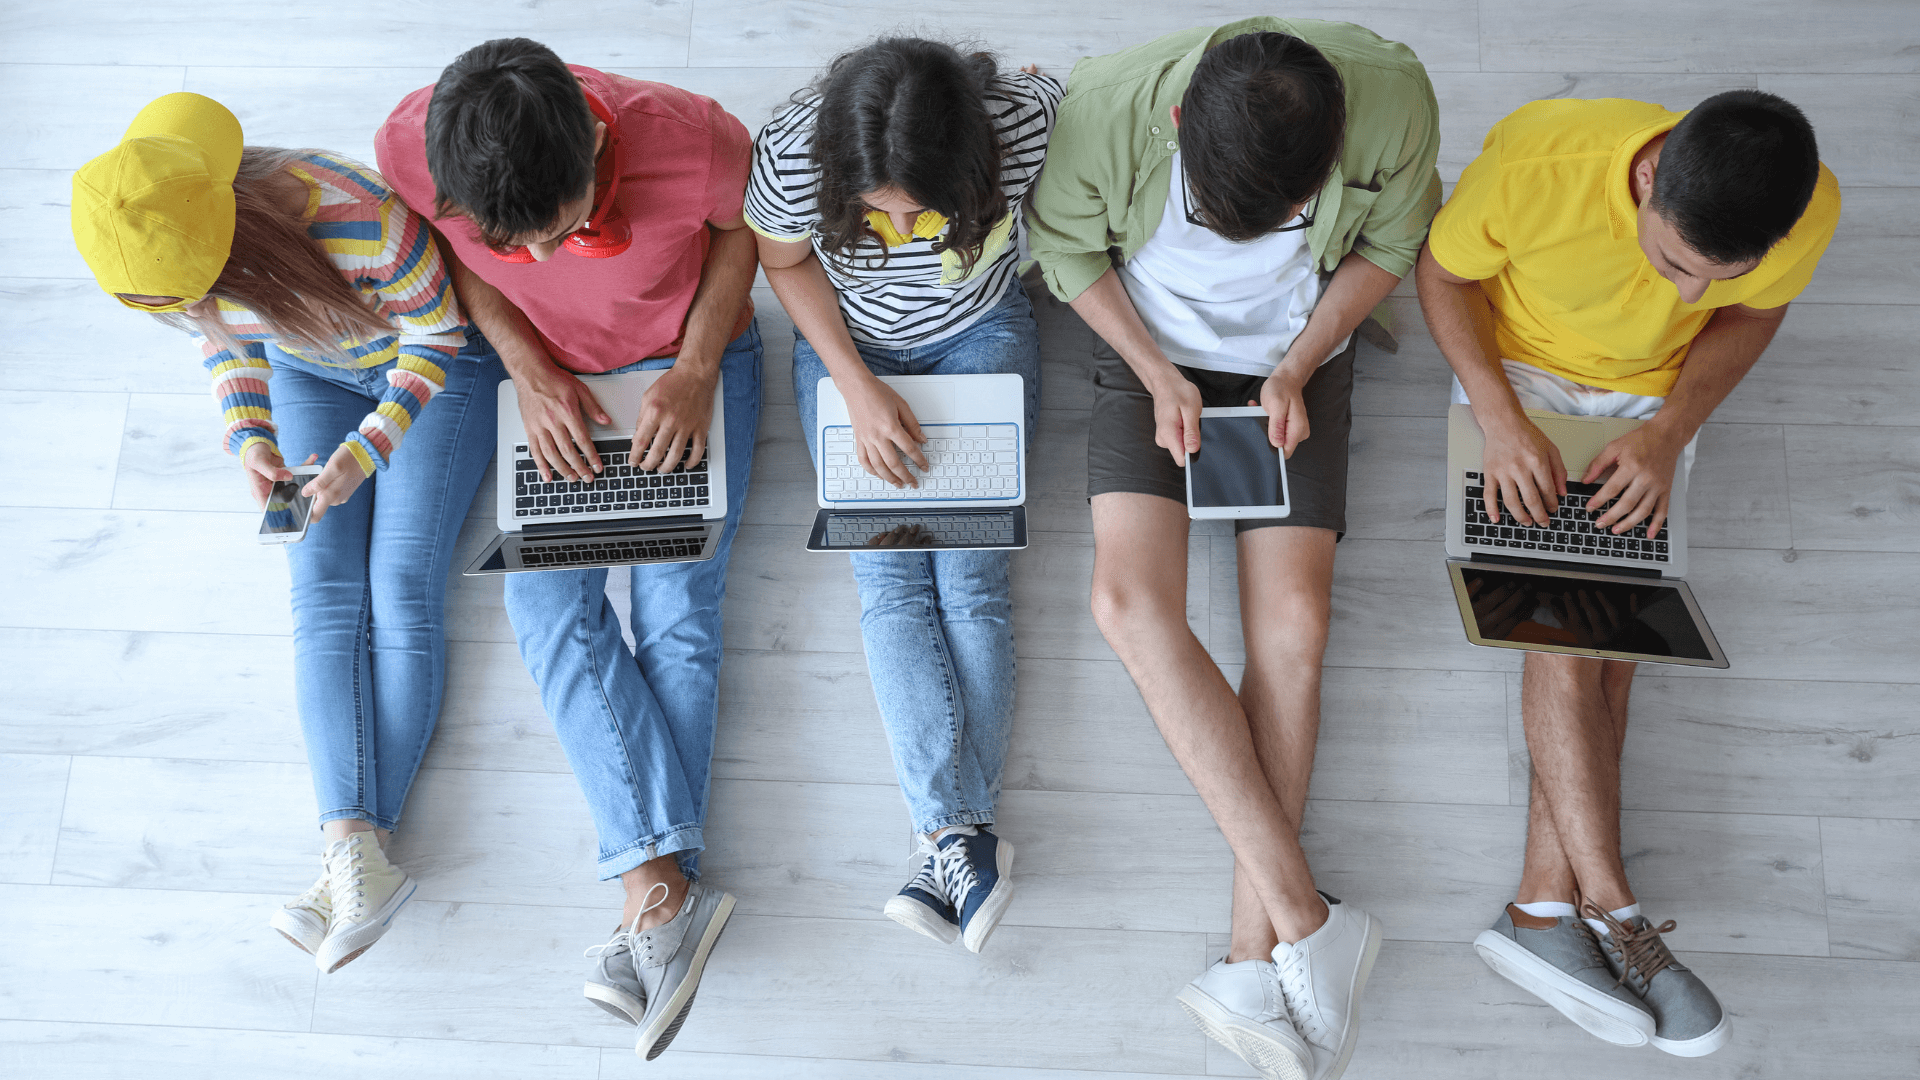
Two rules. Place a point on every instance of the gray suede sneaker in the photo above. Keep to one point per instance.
(669, 960)
(612, 982)
(1558, 961)
(1690, 1022)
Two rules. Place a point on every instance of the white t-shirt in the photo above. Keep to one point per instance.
(1213, 304)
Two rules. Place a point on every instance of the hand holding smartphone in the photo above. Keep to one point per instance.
(287, 512)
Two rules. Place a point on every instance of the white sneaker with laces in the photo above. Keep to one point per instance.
(1321, 976)
(303, 920)
(1240, 1006)
(367, 892)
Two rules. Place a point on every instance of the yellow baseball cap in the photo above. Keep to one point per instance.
(154, 215)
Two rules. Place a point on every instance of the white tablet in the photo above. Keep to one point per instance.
(1236, 473)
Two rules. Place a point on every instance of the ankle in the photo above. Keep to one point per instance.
(646, 906)
(1300, 923)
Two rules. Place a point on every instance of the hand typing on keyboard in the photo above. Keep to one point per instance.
(959, 462)
(1523, 468)
(886, 435)
(1643, 461)
(1569, 529)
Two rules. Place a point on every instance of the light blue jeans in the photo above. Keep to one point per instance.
(637, 725)
(938, 625)
(370, 579)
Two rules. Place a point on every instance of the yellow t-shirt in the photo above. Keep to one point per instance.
(1544, 220)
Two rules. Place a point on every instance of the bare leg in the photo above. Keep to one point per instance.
(341, 828)
(647, 878)
(1548, 875)
(1286, 599)
(1574, 709)
(1139, 603)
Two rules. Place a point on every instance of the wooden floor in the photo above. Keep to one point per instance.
(156, 801)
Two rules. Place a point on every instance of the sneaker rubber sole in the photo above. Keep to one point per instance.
(1699, 1046)
(986, 917)
(655, 1038)
(344, 944)
(1252, 1042)
(1368, 955)
(1603, 1017)
(914, 915)
(623, 1006)
(299, 927)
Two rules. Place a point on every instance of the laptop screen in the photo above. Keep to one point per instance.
(1525, 609)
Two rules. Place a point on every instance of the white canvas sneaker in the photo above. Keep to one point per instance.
(1321, 976)
(367, 892)
(1240, 1006)
(303, 920)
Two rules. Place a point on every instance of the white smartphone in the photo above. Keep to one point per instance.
(1236, 473)
(285, 518)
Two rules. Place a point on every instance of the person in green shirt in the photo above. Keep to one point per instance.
(1224, 207)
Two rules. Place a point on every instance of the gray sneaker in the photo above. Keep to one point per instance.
(612, 982)
(1558, 961)
(1690, 1022)
(669, 960)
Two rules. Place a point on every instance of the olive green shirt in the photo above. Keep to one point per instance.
(1105, 182)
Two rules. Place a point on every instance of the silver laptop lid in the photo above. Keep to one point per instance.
(1582, 612)
(975, 427)
(621, 492)
(1579, 439)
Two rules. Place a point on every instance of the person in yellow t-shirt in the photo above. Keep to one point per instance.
(1612, 258)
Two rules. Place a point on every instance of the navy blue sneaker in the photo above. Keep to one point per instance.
(977, 868)
(923, 904)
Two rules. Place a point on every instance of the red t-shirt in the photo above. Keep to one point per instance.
(684, 163)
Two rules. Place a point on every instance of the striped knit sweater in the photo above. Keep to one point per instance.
(386, 252)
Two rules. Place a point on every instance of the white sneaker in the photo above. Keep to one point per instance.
(367, 891)
(303, 920)
(1240, 1006)
(1321, 976)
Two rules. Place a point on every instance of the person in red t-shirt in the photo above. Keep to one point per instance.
(502, 155)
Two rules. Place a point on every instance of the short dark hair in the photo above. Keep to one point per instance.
(909, 114)
(509, 139)
(1261, 126)
(1735, 175)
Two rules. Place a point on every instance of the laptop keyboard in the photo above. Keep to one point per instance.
(620, 486)
(944, 530)
(611, 552)
(969, 461)
(1569, 529)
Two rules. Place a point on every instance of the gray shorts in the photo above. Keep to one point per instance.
(1121, 455)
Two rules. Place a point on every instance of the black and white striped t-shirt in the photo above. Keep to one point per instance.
(902, 303)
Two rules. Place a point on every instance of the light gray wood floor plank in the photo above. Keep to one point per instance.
(170, 458)
(64, 114)
(36, 787)
(34, 421)
(1872, 911)
(1864, 122)
(624, 1065)
(1833, 364)
(1873, 257)
(1855, 489)
(35, 227)
(1841, 36)
(126, 350)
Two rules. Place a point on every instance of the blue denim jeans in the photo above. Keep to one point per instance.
(370, 579)
(938, 625)
(637, 725)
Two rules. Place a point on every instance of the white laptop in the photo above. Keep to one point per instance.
(626, 517)
(970, 498)
(1569, 587)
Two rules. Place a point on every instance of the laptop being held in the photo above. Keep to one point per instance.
(626, 516)
(969, 496)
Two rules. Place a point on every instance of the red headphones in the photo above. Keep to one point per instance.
(606, 233)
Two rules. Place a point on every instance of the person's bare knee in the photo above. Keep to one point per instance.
(1286, 592)
(1139, 565)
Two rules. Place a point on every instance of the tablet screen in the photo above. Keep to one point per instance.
(1236, 465)
(1648, 619)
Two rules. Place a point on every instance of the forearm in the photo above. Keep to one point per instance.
(1109, 311)
(814, 305)
(1357, 287)
(1461, 321)
(1723, 353)
(725, 279)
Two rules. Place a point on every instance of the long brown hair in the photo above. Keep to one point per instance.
(280, 273)
(911, 115)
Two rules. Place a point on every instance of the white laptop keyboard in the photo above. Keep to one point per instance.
(969, 461)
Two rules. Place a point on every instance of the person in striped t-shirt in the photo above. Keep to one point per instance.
(887, 200)
(323, 308)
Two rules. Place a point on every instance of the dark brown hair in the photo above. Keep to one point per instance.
(1261, 126)
(907, 114)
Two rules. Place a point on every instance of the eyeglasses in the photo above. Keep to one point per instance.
(1194, 218)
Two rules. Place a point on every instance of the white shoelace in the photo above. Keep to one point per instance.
(1295, 989)
(346, 870)
(946, 873)
(626, 936)
(1275, 998)
(318, 897)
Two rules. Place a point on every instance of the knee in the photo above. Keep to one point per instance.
(1292, 623)
(1124, 607)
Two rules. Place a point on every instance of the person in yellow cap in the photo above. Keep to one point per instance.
(300, 270)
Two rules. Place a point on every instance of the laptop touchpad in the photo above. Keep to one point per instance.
(930, 399)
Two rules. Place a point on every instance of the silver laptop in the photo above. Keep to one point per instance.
(969, 498)
(1569, 587)
(625, 517)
